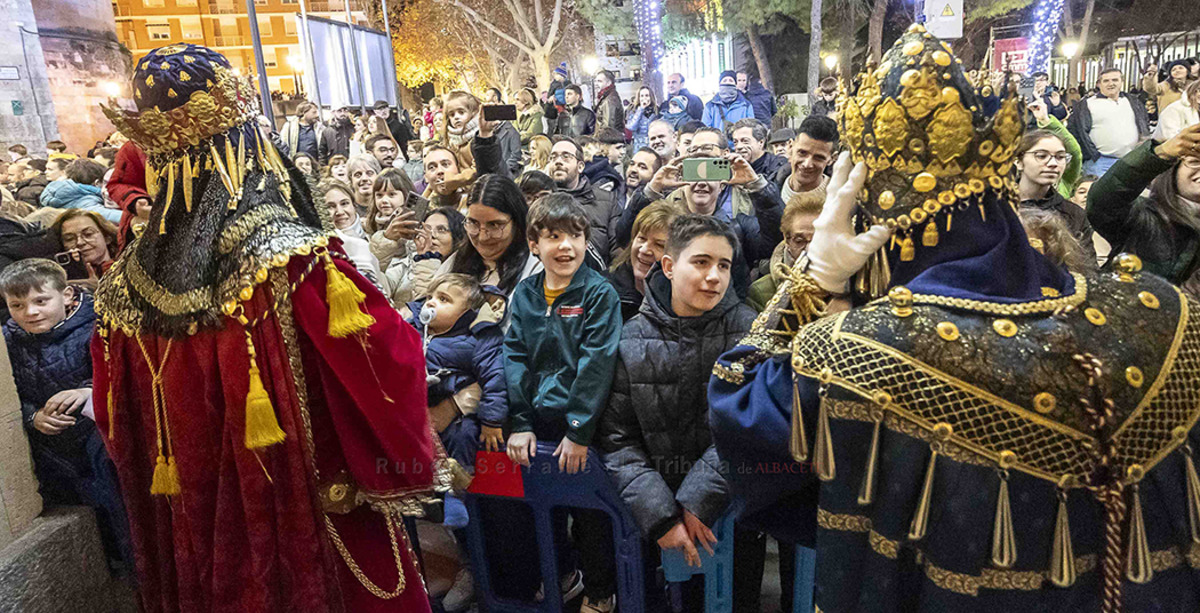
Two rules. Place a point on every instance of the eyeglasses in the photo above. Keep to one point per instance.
(439, 230)
(1044, 156)
(1190, 163)
(87, 234)
(799, 238)
(564, 156)
(491, 229)
(703, 149)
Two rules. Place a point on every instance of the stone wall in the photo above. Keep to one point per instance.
(26, 106)
(19, 500)
(82, 55)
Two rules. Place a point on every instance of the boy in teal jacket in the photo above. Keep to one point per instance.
(560, 355)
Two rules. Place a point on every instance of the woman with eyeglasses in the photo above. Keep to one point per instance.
(440, 236)
(1048, 162)
(90, 236)
(1162, 228)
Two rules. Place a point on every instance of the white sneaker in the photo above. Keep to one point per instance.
(571, 586)
(600, 606)
(461, 594)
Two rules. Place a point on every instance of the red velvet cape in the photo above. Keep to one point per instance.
(244, 536)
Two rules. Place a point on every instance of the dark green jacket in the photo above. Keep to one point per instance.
(1133, 224)
(559, 362)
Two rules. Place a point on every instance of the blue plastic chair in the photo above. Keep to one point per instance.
(806, 576)
(547, 488)
(717, 568)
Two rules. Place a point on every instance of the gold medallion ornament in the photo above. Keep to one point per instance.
(1150, 301)
(1005, 327)
(1095, 316)
(1044, 403)
(948, 331)
(1134, 376)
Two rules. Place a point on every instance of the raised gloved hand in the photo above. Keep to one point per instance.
(836, 252)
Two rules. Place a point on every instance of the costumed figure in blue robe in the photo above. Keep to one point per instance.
(987, 432)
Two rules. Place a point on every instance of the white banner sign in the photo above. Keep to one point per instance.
(944, 18)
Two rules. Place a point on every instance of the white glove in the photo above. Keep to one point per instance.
(836, 252)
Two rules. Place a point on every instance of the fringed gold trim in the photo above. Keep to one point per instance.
(799, 439)
(866, 491)
(345, 301)
(1138, 565)
(920, 520)
(262, 427)
(1004, 538)
(1193, 495)
(1062, 554)
(826, 465)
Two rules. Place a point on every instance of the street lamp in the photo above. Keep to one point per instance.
(591, 65)
(1069, 49)
(297, 64)
(831, 61)
(112, 89)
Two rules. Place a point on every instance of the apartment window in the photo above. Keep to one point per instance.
(153, 4)
(269, 58)
(264, 27)
(158, 31)
(185, 2)
(289, 26)
(190, 28)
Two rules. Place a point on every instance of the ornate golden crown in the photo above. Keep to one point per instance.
(229, 102)
(917, 125)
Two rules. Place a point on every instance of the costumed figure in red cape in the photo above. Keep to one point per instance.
(263, 403)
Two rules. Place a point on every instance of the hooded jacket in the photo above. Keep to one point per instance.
(529, 123)
(655, 435)
(48, 363)
(694, 110)
(600, 172)
(469, 352)
(30, 190)
(559, 360)
(763, 102)
(719, 115)
(67, 194)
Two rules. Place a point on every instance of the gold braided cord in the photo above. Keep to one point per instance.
(162, 425)
(354, 568)
(999, 308)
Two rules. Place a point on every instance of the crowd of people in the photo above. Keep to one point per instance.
(574, 287)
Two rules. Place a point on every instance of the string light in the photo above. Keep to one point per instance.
(647, 18)
(1046, 18)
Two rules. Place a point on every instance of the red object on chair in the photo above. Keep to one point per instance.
(497, 475)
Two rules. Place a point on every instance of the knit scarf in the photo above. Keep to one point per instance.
(461, 137)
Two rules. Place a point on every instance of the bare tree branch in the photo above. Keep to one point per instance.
(470, 12)
(537, 14)
(550, 42)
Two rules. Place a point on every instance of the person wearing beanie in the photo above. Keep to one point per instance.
(729, 106)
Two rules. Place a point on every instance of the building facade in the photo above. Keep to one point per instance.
(143, 25)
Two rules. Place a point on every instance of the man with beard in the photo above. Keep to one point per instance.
(749, 141)
(574, 120)
(566, 168)
(610, 113)
(398, 123)
(661, 138)
(447, 185)
(306, 134)
(747, 201)
(811, 153)
(342, 127)
(383, 148)
(781, 141)
(642, 167)
(598, 167)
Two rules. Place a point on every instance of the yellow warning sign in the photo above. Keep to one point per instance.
(947, 12)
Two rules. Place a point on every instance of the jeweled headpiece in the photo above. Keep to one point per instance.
(184, 94)
(915, 121)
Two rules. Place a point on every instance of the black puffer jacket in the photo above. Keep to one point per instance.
(654, 436)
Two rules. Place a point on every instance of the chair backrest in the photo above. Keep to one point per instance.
(547, 488)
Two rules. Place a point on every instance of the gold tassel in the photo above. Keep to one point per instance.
(825, 465)
(187, 182)
(908, 251)
(241, 164)
(151, 180)
(1193, 495)
(799, 441)
(866, 492)
(1138, 567)
(231, 167)
(920, 520)
(166, 478)
(219, 164)
(1062, 555)
(262, 428)
(1004, 538)
(949, 218)
(345, 300)
(162, 222)
(930, 237)
(982, 213)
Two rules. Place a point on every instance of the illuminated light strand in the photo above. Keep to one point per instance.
(647, 18)
(1046, 18)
